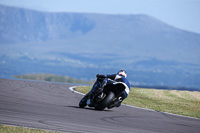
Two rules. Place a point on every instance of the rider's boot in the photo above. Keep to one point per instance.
(116, 103)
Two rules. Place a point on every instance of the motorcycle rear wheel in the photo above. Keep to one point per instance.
(105, 102)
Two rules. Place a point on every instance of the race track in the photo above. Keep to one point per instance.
(52, 106)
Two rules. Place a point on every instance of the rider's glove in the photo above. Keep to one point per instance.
(100, 76)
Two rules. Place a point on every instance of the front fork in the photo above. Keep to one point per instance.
(98, 86)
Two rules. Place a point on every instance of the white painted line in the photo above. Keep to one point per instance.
(72, 89)
(139, 107)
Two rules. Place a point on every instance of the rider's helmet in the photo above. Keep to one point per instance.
(123, 73)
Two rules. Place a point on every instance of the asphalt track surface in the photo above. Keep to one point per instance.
(52, 106)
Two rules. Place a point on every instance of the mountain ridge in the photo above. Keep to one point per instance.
(141, 34)
(28, 16)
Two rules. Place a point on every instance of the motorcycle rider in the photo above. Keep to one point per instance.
(110, 80)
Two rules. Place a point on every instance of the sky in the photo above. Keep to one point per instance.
(183, 14)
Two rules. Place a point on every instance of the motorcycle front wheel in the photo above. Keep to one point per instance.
(83, 101)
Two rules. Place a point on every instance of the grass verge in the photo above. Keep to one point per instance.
(185, 103)
(11, 129)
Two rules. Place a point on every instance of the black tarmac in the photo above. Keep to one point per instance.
(52, 106)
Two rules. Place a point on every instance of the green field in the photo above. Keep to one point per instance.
(52, 78)
(11, 129)
(172, 101)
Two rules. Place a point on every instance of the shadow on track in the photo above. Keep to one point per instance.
(88, 108)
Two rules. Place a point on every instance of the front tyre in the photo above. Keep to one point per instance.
(106, 101)
(83, 102)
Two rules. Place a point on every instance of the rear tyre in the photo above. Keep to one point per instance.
(106, 102)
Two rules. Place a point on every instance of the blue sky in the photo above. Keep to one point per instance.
(183, 14)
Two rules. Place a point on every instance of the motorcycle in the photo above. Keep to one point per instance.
(103, 96)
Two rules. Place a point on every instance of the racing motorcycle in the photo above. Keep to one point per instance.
(103, 96)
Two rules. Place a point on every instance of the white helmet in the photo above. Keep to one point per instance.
(123, 73)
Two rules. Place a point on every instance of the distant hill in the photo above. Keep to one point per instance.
(82, 45)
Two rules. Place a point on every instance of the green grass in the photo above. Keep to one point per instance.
(172, 101)
(52, 78)
(11, 129)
